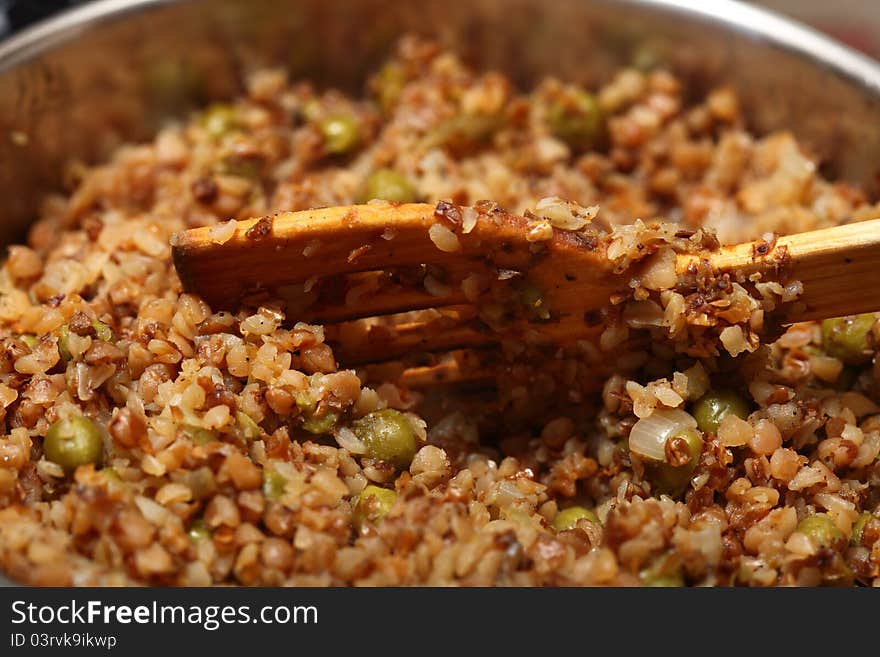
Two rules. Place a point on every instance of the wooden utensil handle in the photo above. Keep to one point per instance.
(839, 268)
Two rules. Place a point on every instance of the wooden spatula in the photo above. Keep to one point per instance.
(340, 264)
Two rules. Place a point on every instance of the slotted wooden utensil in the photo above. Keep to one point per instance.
(339, 265)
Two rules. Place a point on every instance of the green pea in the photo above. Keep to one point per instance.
(388, 185)
(340, 133)
(663, 572)
(112, 475)
(174, 83)
(372, 505)
(323, 424)
(576, 118)
(199, 531)
(308, 406)
(220, 119)
(388, 436)
(388, 84)
(464, 132)
(822, 530)
(311, 110)
(273, 484)
(646, 58)
(859, 528)
(672, 479)
(249, 428)
(63, 344)
(199, 435)
(30, 340)
(674, 579)
(74, 441)
(568, 518)
(694, 440)
(715, 405)
(103, 331)
(235, 165)
(849, 338)
(305, 402)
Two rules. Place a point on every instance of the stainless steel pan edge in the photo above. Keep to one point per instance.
(77, 85)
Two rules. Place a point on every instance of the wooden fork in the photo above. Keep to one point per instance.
(339, 265)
